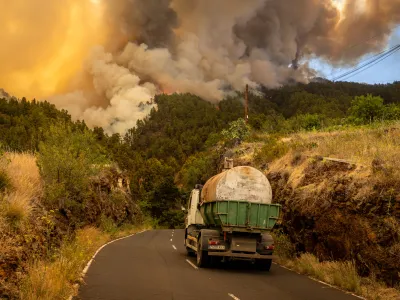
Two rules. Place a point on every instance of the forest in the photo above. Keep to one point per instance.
(182, 141)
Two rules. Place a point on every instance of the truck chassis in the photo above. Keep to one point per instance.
(211, 244)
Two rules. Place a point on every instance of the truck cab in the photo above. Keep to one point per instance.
(193, 214)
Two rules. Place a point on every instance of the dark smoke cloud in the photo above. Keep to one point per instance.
(211, 47)
(151, 22)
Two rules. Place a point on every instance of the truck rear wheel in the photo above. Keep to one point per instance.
(264, 264)
(203, 259)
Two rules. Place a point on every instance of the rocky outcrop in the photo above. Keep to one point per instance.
(341, 211)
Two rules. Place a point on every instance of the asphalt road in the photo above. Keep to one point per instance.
(154, 265)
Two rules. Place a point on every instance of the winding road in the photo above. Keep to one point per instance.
(154, 265)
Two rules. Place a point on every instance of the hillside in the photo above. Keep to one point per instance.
(343, 191)
(340, 193)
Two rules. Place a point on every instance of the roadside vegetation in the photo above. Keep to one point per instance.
(340, 274)
(59, 276)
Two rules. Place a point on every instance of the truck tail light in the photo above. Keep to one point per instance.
(212, 242)
(270, 247)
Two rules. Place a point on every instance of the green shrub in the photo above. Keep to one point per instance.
(68, 160)
(238, 131)
(366, 109)
(270, 151)
(306, 122)
(391, 112)
(198, 169)
(283, 246)
(107, 225)
(118, 197)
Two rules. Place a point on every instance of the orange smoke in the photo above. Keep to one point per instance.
(167, 91)
(45, 43)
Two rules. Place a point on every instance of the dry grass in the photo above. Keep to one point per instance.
(25, 186)
(375, 151)
(362, 145)
(56, 279)
(52, 280)
(342, 275)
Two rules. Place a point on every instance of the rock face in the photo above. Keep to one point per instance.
(113, 198)
(341, 211)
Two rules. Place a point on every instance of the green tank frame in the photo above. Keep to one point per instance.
(236, 215)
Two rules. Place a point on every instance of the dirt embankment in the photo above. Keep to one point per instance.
(340, 193)
(341, 211)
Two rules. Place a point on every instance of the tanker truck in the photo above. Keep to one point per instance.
(231, 217)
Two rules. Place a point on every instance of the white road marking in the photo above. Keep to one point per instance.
(192, 264)
(233, 296)
(324, 283)
(173, 246)
(98, 250)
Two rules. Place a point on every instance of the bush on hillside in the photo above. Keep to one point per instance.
(306, 122)
(237, 131)
(271, 150)
(164, 203)
(391, 112)
(67, 160)
(366, 109)
(198, 169)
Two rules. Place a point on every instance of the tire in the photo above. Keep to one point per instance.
(203, 259)
(264, 264)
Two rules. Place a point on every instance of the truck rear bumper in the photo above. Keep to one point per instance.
(241, 255)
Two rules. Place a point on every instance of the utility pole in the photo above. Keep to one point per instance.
(246, 105)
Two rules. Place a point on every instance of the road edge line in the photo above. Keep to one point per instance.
(97, 252)
(233, 296)
(324, 283)
(192, 264)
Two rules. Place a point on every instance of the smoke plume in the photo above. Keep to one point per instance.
(104, 60)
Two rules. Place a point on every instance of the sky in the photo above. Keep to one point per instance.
(386, 71)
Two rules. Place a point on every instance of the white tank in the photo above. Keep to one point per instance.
(239, 183)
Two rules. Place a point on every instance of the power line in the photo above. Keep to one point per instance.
(373, 64)
(359, 44)
(369, 63)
